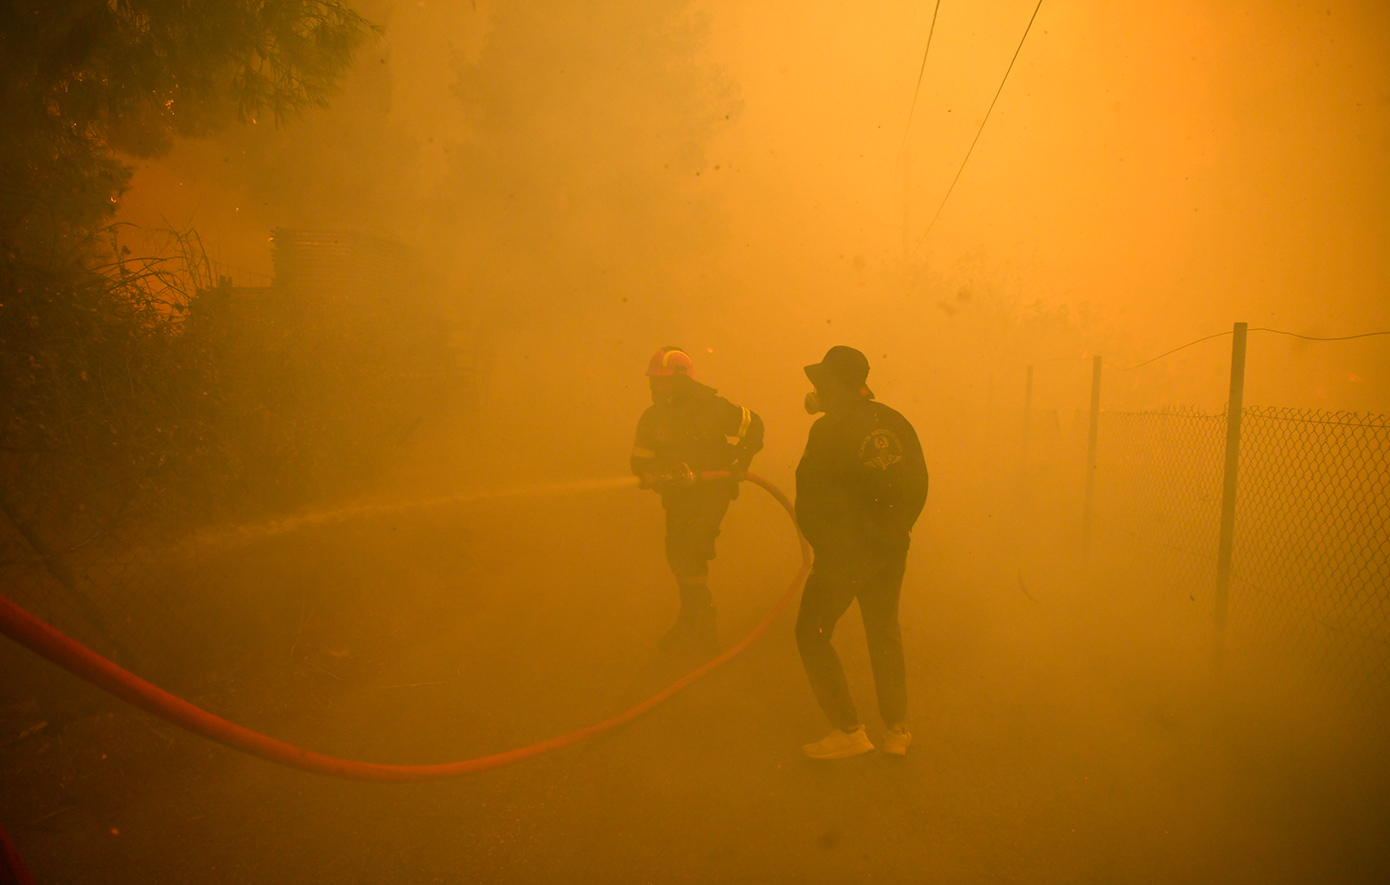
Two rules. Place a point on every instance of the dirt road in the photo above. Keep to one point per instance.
(1056, 739)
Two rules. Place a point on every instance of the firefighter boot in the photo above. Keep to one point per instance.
(694, 634)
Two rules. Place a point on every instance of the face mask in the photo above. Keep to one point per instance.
(813, 406)
(663, 392)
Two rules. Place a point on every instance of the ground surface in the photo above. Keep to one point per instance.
(1060, 736)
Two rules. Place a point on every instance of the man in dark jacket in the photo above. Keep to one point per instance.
(860, 487)
(690, 429)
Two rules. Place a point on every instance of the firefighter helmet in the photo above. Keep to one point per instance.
(669, 361)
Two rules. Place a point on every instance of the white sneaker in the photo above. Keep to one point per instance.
(840, 745)
(895, 740)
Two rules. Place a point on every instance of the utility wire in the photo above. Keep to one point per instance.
(931, 29)
(1316, 338)
(981, 129)
(1174, 350)
(1258, 329)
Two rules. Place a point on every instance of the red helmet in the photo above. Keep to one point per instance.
(669, 361)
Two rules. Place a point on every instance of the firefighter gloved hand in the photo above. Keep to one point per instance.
(739, 472)
(646, 481)
(678, 477)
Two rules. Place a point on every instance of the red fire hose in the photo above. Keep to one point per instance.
(45, 641)
(12, 869)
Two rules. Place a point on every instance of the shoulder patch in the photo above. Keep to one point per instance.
(881, 449)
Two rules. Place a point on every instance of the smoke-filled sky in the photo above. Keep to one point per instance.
(730, 177)
(587, 181)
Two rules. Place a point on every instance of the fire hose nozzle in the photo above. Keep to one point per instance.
(681, 476)
(678, 477)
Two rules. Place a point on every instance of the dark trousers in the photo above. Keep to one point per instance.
(876, 580)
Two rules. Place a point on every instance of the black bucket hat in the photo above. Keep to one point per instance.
(842, 364)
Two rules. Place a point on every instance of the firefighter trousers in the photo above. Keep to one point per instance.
(692, 523)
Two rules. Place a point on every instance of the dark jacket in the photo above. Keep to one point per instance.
(862, 482)
(699, 428)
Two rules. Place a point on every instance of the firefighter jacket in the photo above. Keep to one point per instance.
(862, 481)
(699, 428)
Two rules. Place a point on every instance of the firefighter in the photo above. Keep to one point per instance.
(860, 487)
(687, 430)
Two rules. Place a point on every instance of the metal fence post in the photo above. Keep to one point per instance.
(1091, 455)
(1234, 406)
(989, 408)
(1023, 436)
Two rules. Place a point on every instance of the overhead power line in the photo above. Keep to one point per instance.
(1174, 350)
(1260, 329)
(931, 29)
(1316, 338)
(997, 93)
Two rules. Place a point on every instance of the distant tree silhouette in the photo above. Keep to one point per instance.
(100, 383)
(81, 80)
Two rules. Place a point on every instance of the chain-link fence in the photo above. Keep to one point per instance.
(1310, 573)
(1310, 588)
(1159, 482)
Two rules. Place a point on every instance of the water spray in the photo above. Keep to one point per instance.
(47, 642)
(237, 536)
